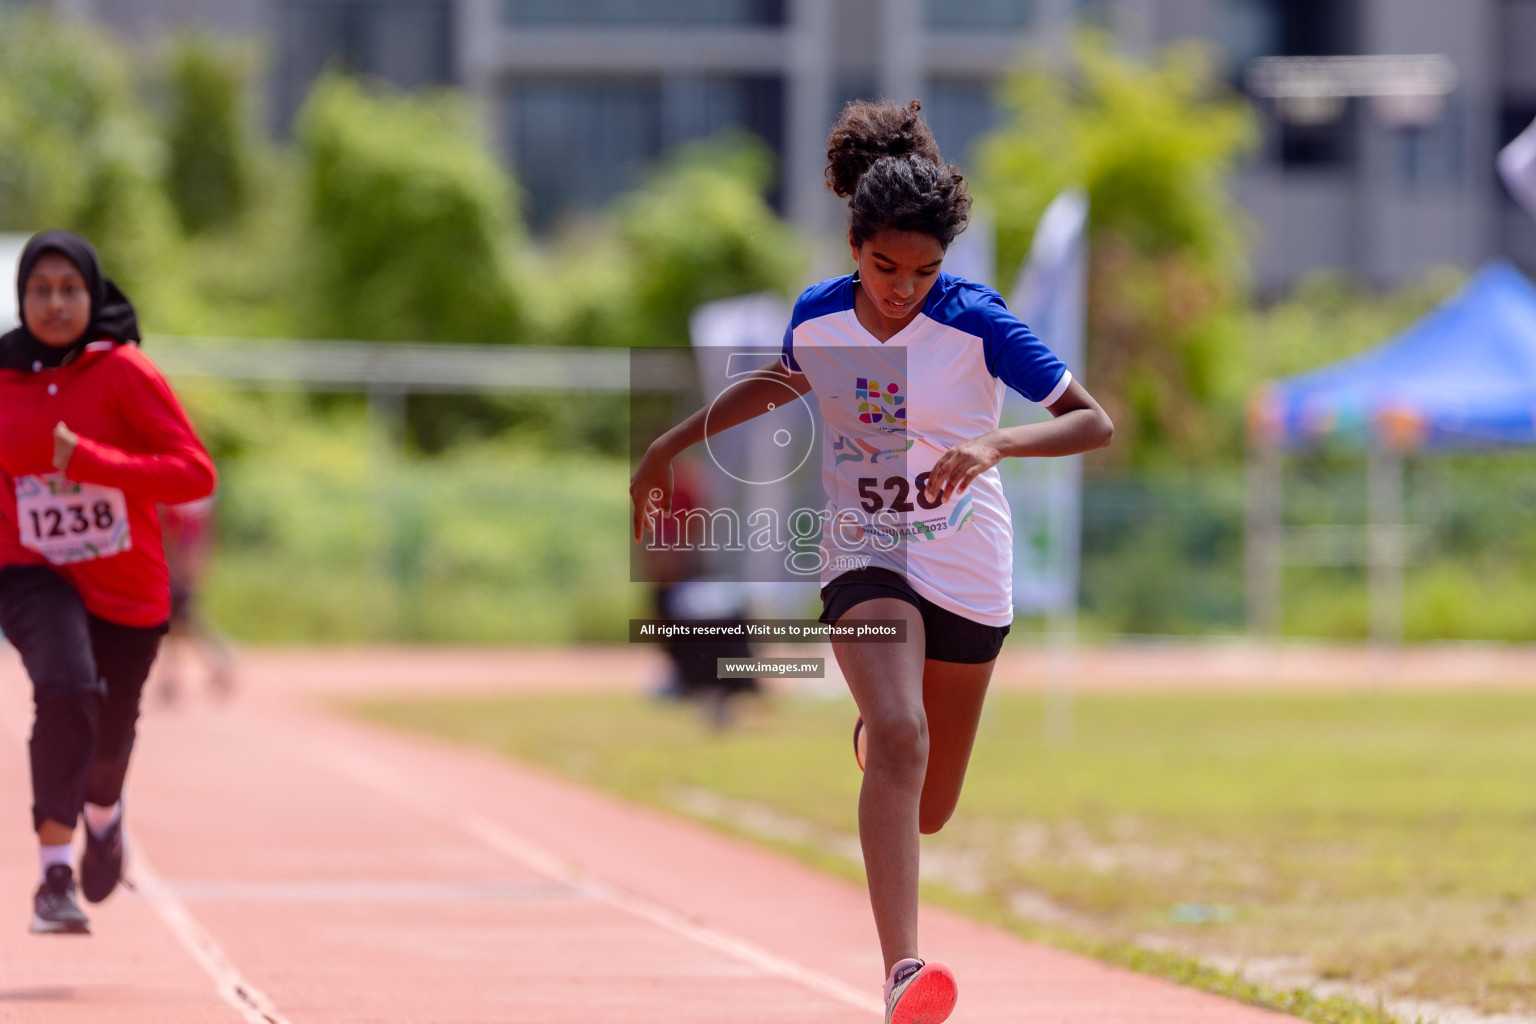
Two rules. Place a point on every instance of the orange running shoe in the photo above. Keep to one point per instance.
(921, 993)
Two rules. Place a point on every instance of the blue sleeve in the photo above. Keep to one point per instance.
(789, 348)
(1019, 359)
(816, 301)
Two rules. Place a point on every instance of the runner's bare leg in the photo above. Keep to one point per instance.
(887, 684)
(953, 695)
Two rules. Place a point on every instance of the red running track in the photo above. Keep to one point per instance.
(317, 871)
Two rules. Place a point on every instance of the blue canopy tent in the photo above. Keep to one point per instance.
(1463, 377)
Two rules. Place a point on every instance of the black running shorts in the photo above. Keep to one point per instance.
(950, 637)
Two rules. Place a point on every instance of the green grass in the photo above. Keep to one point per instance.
(1381, 840)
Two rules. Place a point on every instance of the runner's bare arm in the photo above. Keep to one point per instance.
(1077, 425)
(650, 489)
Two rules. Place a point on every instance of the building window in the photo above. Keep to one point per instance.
(404, 41)
(1318, 27)
(577, 142)
(1250, 30)
(1298, 28)
(1432, 155)
(960, 111)
(700, 13)
(980, 15)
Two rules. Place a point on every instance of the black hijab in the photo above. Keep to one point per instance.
(112, 315)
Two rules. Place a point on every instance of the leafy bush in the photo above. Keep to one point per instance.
(1152, 143)
(209, 170)
(333, 535)
(77, 151)
(1163, 549)
(1163, 552)
(410, 219)
(699, 229)
(1329, 316)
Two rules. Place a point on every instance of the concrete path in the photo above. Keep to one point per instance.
(293, 867)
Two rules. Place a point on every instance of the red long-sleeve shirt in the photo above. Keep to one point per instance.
(134, 439)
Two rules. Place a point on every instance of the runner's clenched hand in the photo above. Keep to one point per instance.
(64, 441)
(650, 491)
(956, 468)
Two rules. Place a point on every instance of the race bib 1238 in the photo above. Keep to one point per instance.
(66, 522)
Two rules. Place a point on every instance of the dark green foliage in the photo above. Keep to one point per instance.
(410, 219)
(1152, 143)
(1163, 552)
(208, 171)
(700, 230)
(77, 152)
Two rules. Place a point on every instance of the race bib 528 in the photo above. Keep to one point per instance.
(888, 483)
(66, 522)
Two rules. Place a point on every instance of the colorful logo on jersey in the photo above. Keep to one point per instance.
(962, 513)
(845, 449)
(880, 405)
(854, 449)
(875, 453)
(929, 529)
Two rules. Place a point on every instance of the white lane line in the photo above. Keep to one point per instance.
(231, 985)
(381, 778)
(332, 891)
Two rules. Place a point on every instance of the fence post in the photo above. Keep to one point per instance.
(1263, 542)
(1385, 545)
(386, 432)
(1058, 723)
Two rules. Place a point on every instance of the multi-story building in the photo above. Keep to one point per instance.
(583, 95)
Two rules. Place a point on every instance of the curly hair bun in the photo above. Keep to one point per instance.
(868, 130)
(883, 159)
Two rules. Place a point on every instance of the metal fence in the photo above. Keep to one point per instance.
(373, 367)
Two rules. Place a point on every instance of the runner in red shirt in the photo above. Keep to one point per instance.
(91, 440)
(190, 534)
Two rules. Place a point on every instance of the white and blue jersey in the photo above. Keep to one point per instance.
(892, 408)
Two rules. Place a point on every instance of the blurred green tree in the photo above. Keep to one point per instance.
(78, 151)
(208, 173)
(411, 220)
(700, 229)
(1329, 315)
(1153, 144)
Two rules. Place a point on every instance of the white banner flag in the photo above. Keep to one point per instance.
(1517, 166)
(1051, 296)
(770, 464)
(973, 253)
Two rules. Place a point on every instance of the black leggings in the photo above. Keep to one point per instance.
(87, 676)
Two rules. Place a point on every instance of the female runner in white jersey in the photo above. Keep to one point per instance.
(908, 365)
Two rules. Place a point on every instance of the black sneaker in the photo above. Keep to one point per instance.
(54, 910)
(101, 865)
